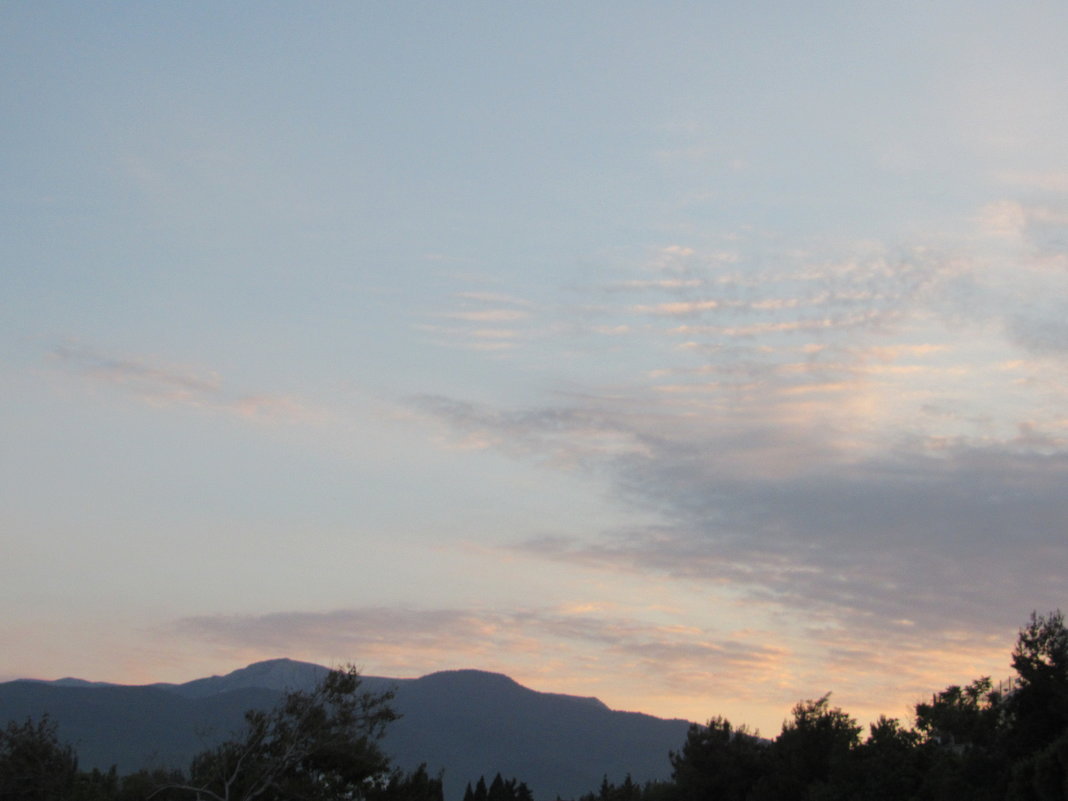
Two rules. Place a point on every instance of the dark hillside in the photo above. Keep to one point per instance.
(469, 723)
(131, 727)
(476, 723)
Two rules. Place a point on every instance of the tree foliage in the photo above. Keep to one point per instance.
(962, 716)
(969, 742)
(811, 749)
(718, 761)
(629, 790)
(1039, 706)
(34, 766)
(499, 789)
(418, 785)
(318, 744)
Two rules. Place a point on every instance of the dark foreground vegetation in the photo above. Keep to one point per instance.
(970, 742)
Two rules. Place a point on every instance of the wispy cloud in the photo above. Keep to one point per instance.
(950, 535)
(408, 640)
(679, 308)
(1041, 227)
(955, 541)
(658, 283)
(713, 298)
(148, 379)
(162, 384)
(495, 298)
(876, 439)
(491, 322)
(489, 315)
(562, 435)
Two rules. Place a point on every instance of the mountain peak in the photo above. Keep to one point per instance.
(471, 674)
(281, 664)
(271, 674)
(476, 684)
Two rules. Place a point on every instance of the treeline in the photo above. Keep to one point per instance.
(969, 743)
(498, 790)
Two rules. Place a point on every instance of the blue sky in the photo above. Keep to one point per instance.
(701, 357)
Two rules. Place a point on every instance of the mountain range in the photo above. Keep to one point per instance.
(468, 723)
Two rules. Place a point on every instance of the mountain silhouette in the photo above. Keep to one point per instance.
(469, 723)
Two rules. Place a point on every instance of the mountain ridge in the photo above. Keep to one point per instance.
(267, 673)
(467, 722)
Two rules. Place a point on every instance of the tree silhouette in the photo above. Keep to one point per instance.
(1039, 705)
(317, 744)
(718, 761)
(34, 766)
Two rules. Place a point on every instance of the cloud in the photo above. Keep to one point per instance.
(950, 533)
(494, 333)
(564, 436)
(482, 322)
(871, 445)
(147, 379)
(161, 384)
(363, 630)
(1028, 277)
(841, 322)
(408, 640)
(659, 283)
(1042, 334)
(786, 293)
(495, 298)
(1004, 218)
(680, 308)
(489, 315)
(948, 542)
(896, 574)
(1040, 228)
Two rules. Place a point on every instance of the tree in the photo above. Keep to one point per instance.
(1041, 650)
(718, 761)
(418, 785)
(34, 766)
(886, 766)
(318, 744)
(962, 717)
(499, 790)
(808, 751)
(1042, 776)
(1039, 705)
(818, 735)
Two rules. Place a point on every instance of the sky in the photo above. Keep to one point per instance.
(701, 357)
